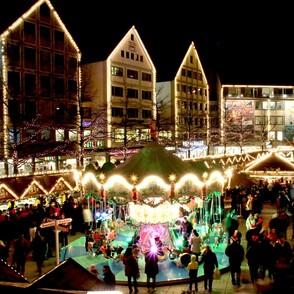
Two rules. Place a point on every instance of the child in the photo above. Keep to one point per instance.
(193, 272)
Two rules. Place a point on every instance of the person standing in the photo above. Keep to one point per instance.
(109, 278)
(151, 270)
(209, 264)
(131, 269)
(235, 252)
(159, 246)
(21, 250)
(39, 250)
(193, 272)
(195, 242)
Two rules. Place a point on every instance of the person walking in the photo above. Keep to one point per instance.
(193, 272)
(151, 270)
(195, 243)
(209, 264)
(235, 252)
(109, 278)
(20, 252)
(132, 269)
(39, 250)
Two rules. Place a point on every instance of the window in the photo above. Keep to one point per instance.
(59, 88)
(44, 13)
(146, 77)
(132, 93)
(72, 66)
(59, 135)
(280, 120)
(119, 135)
(45, 86)
(14, 136)
(30, 110)
(72, 89)
(146, 113)
(122, 53)
(14, 110)
(264, 105)
(72, 110)
(132, 74)
(279, 135)
(45, 135)
(29, 32)
(279, 105)
(45, 61)
(13, 55)
(59, 63)
(183, 72)
(271, 135)
(117, 112)
(273, 120)
(30, 85)
(45, 36)
(59, 40)
(132, 112)
(117, 91)
(30, 58)
(146, 95)
(86, 112)
(184, 88)
(272, 105)
(117, 71)
(60, 113)
(189, 74)
(31, 135)
(13, 83)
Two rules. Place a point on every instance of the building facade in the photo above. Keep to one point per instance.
(122, 90)
(185, 107)
(40, 84)
(256, 116)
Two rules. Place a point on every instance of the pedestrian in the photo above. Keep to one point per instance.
(94, 271)
(89, 240)
(195, 242)
(151, 269)
(186, 227)
(39, 250)
(132, 270)
(20, 253)
(235, 252)
(64, 231)
(109, 278)
(159, 246)
(209, 264)
(193, 272)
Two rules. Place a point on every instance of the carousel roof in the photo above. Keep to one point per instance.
(153, 159)
(271, 164)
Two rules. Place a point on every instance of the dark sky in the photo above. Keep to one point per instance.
(246, 40)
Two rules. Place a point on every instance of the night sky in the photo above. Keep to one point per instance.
(244, 40)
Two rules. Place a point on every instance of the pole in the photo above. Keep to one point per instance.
(57, 242)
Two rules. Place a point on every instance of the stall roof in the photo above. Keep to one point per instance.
(153, 159)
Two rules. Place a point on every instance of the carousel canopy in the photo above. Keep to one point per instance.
(270, 165)
(153, 159)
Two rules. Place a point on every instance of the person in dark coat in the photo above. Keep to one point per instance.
(20, 253)
(151, 269)
(39, 250)
(235, 252)
(132, 269)
(209, 264)
(109, 278)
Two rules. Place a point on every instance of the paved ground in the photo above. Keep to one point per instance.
(222, 286)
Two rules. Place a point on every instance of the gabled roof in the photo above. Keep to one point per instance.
(153, 159)
(9, 274)
(69, 275)
(271, 164)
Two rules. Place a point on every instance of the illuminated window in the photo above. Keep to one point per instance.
(72, 135)
(59, 135)
(133, 74)
(279, 135)
(117, 71)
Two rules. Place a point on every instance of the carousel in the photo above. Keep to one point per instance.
(146, 198)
